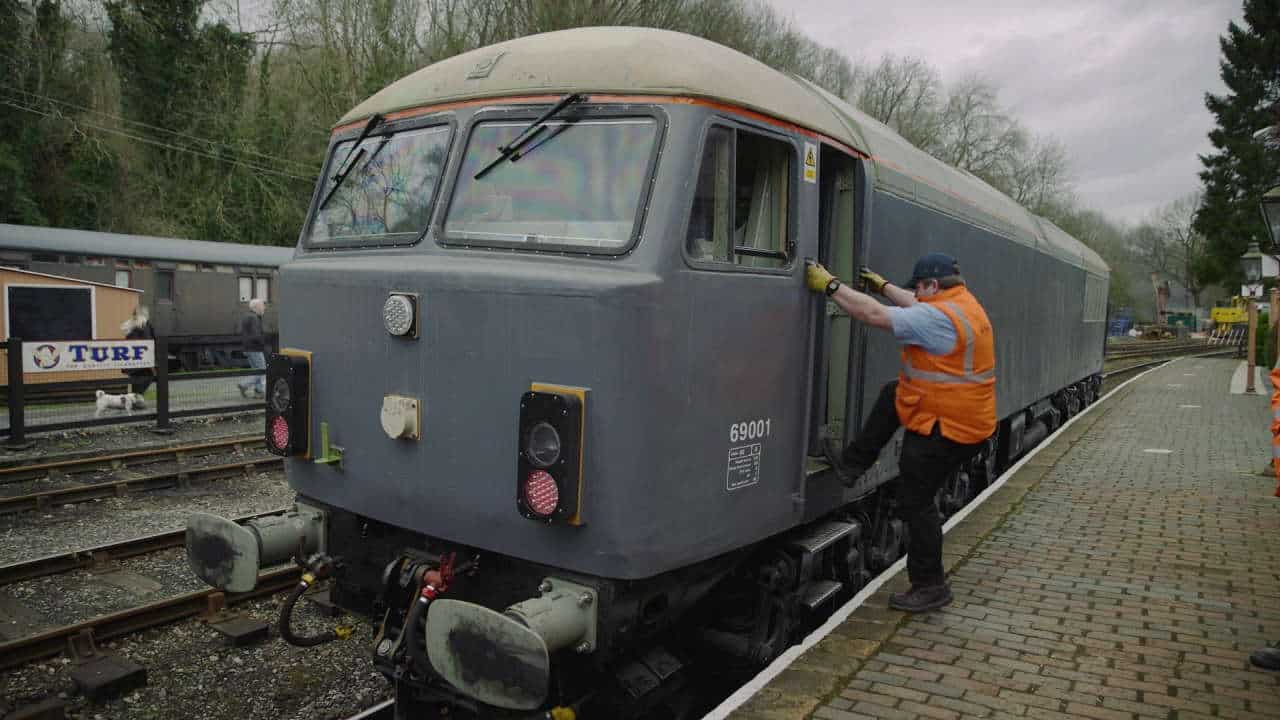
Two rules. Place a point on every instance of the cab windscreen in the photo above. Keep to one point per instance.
(288, 397)
(548, 466)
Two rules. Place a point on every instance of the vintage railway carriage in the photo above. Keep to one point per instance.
(195, 290)
(554, 373)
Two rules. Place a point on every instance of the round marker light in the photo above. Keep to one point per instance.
(542, 445)
(280, 395)
(397, 315)
(278, 433)
(540, 493)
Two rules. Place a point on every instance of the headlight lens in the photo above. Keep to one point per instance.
(397, 315)
(280, 395)
(542, 445)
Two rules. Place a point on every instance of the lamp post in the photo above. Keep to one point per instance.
(1271, 213)
(1251, 264)
(1270, 204)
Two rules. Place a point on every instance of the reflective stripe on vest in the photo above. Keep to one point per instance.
(969, 377)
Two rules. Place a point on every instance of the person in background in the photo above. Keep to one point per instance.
(138, 327)
(255, 348)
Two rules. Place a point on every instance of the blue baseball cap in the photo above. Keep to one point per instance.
(933, 265)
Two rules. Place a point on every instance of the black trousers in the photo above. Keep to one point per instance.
(925, 462)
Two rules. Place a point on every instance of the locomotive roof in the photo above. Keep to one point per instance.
(646, 61)
(85, 242)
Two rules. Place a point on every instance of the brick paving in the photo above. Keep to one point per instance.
(1101, 581)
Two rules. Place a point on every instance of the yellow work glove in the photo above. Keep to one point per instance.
(816, 277)
(872, 280)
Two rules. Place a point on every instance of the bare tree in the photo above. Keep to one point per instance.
(903, 93)
(1177, 221)
(1168, 244)
(977, 135)
(1038, 175)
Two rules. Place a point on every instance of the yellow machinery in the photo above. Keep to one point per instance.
(1236, 312)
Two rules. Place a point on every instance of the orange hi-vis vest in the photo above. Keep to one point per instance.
(1275, 426)
(958, 389)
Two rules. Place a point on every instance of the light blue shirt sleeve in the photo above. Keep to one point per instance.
(923, 325)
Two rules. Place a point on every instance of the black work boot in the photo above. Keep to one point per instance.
(848, 473)
(920, 599)
(1267, 658)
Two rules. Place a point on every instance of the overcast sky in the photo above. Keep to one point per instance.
(1120, 83)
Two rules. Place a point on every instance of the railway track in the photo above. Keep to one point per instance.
(89, 557)
(19, 652)
(1164, 347)
(1116, 372)
(123, 487)
(123, 460)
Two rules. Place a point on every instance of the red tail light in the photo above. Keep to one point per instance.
(541, 492)
(279, 433)
(289, 403)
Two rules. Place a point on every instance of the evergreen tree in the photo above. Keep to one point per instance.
(1242, 169)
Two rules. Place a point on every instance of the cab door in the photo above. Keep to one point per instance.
(836, 394)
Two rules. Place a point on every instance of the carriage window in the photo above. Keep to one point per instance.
(739, 210)
(262, 288)
(577, 186)
(122, 278)
(387, 194)
(164, 285)
(246, 289)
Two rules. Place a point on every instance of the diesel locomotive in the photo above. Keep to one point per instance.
(552, 392)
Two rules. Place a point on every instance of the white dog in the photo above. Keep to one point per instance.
(126, 402)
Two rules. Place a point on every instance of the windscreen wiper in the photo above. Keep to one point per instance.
(511, 151)
(353, 158)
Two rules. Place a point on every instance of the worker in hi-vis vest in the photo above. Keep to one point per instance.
(944, 398)
(1268, 656)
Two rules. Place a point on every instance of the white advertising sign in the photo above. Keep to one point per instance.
(1251, 291)
(73, 355)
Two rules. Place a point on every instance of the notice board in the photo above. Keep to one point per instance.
(50, 312)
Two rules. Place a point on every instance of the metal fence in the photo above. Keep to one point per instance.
(48, 407)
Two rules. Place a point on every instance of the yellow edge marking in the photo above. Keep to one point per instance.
(581, 394)
(305, 355)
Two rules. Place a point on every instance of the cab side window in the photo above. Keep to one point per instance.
(740, 205)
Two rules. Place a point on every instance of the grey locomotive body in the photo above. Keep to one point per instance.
(631, 278)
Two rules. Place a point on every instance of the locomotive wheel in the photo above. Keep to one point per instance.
(954, 493)
(983, 468)
(887, 545)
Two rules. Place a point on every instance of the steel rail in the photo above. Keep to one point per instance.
(1162, 348)
(384, 710)
(105, 627)
(120, 488)
(118, 460)
(1143, 365)
(88, 557)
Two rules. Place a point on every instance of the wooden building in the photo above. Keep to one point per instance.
(37, 306)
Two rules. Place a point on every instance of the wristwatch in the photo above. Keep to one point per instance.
(832, 287)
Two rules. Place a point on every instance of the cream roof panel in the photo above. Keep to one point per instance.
(640, 61)
(645, 61)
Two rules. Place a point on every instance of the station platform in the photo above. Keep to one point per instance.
(1126, 570)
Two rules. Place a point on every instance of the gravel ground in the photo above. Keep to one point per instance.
(55, 600)
(24, 536)
(100, 475)
(192, 674)
(123, 438)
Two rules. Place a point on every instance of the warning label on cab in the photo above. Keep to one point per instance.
(744, 466)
